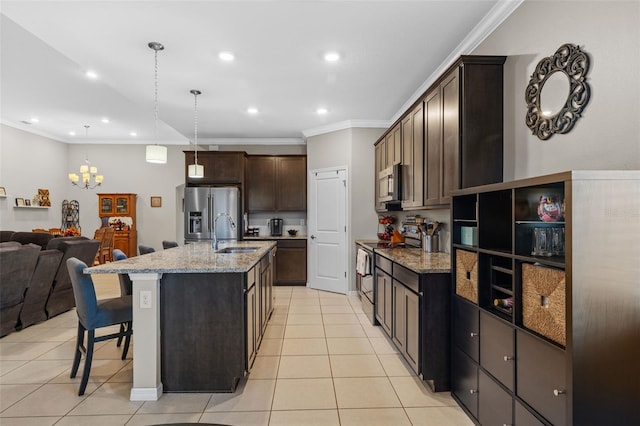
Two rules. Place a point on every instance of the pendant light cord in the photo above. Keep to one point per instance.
(156, 98)
(195, 120)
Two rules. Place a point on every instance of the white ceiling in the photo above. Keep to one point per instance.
(389, 49)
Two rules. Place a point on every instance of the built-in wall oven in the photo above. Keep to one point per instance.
(364, 279)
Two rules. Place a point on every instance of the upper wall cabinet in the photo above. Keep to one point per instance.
(464, 137)
(452, 138)
(413, 158)
(388, 152)
(220, 167)
(276, 183)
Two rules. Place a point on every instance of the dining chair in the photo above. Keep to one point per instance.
(169, 244)
(146, 249)
(98, 235)
(94, 314)
(107, 244)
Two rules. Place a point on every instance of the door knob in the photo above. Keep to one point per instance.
(313, 237)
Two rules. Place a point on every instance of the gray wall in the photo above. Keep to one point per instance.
(608, 134)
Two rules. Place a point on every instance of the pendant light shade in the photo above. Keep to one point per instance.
(156, 153)
(195, 170)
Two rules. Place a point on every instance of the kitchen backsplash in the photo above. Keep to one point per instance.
(442, 215)
(292, 220)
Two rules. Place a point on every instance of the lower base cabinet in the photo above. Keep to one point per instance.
(291, 263)
(413, 309)
(495, 405)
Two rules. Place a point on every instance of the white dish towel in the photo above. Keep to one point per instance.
(363, 263)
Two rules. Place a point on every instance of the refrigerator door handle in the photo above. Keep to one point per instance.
(210, 210)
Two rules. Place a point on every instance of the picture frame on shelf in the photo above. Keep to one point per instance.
(3, 192)
(19, 202)
(27, 202)
(156, 201)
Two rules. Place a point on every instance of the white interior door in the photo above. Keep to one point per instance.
(328, 230)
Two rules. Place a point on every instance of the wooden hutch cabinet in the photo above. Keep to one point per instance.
(121, 205)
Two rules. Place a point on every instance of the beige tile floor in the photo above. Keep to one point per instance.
(320, 363)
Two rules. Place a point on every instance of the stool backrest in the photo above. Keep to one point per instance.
(84, 292)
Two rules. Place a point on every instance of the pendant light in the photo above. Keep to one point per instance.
(156, 153)
(196, 170)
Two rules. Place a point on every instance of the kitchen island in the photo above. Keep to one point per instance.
(198, 315)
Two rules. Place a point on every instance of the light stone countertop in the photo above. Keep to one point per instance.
(189, 258)
(269, 237)
(418, 260)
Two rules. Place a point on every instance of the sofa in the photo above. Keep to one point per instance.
(45, 286)
(17, 265)
(61, 296)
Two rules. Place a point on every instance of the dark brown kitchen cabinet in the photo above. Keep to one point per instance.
(276, 183)
(220, 167)
(384, 306)
(291, 263)
(463, 128)
(380, 160)
(251, 303)
(393, 142)
(432, 147)
(261, 183)
(291, 183)
(413, 310)
(413, 159)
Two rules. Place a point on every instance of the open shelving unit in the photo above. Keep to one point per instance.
(567, 331)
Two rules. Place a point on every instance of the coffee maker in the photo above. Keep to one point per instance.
(276, 226)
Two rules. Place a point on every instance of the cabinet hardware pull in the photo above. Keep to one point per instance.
(313, 237)
(508, 358)
(472, 334)
(473, 391)
(558, 392)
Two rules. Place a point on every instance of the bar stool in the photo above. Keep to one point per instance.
(94, 314)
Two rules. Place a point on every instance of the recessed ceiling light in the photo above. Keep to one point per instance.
(322, 111)
(72, 133)
(34, 120)
(332, 56)
(105, 120)
(91, 74)
(226, 56)
(252, 110)
(133, 134)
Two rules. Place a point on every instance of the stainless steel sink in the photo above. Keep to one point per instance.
(238, 250)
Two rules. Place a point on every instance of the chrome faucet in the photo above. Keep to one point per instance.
(232, 225)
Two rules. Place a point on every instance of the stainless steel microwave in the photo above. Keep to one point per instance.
(390, 185)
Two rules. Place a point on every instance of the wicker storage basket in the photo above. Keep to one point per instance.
(543, 301)
(467, 275)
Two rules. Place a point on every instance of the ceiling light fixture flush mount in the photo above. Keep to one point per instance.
(195, 170)
(156, 153)
(87, 171)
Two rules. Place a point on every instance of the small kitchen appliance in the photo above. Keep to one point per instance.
(275, 226)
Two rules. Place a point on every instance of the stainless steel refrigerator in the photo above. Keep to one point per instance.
(202, 205)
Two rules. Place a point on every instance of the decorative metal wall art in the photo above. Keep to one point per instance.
(572, 63)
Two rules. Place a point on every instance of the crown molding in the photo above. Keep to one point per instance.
(498, 13)
(251, 141)
(347, 124)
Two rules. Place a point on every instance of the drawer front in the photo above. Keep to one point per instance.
(494, 404)
(383, 263)
(497, 354)
(525, 418)
(292, 243)
(540, 369)
(465, 381)
(466, 329)
(409, 278)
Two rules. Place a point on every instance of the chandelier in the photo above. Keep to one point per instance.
(88, 172)
(196, 170)
(156, 153)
